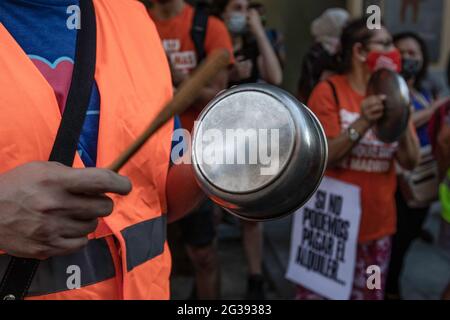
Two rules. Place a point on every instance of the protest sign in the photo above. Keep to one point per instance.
(324, 239)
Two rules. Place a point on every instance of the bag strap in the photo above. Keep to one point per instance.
(333, 89)
(198, 31)
(336, 98)
(20, 271)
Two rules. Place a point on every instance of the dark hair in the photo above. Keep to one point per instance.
(314, 63)
(218, 7)
(423, 47)
(256, 5)
(355, 32)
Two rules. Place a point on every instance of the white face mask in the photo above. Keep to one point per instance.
(237, 23)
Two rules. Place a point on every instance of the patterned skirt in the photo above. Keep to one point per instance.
(374, 253)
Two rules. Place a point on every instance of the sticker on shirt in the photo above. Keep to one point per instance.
(58, 74)
(370, 154)
(171, 45)
(184, 60)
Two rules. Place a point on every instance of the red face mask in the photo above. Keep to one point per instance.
(391, 60)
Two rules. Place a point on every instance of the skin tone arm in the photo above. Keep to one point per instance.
(215, 86)
(47, 209)
(372, 110)
(339, 147)
(422, 117)
(268, 62)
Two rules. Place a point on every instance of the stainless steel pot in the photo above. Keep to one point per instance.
(397, 104)
(273, 151)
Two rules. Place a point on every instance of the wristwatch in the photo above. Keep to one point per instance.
(353, 134)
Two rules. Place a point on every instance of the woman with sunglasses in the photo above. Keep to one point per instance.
(356, 156)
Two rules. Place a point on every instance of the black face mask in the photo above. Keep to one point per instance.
(410, 68)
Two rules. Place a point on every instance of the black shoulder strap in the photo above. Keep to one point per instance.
(333, 89)
(198, 31)
(20, 271)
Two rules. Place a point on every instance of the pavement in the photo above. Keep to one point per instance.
(232, 265)
(427, 265)
(425, 275)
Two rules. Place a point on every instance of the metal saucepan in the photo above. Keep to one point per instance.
(397, 104)
(258, 152)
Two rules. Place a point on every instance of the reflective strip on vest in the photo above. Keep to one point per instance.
(144, 241)
(94, 261)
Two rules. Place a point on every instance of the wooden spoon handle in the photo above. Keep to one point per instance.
(185, 96)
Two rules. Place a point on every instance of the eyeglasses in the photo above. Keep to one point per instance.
(385, 43)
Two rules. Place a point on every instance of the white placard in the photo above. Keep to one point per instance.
(324, 239)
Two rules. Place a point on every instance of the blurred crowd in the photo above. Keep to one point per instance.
(398, 183)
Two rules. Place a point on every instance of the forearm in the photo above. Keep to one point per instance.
(270, 65)
(420, 118)
(408, 153)
(216, 85)
(206, 95)
(341, 146)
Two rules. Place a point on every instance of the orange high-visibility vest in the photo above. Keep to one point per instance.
(127, 257)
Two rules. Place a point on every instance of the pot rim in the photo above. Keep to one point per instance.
(262, 88)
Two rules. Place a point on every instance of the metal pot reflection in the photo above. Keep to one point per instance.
(258, 152)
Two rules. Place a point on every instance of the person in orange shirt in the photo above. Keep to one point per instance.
(174, 22)
(189, 35)
(356, 156)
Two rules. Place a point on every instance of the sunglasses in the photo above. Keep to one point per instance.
(385, 43)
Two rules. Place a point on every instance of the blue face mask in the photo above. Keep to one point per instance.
(237, 23)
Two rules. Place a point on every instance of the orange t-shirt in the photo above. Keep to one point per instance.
(177, 41)
(369, 165)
